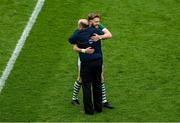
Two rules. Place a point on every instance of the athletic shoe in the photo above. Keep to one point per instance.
(107, 105)
(75, 102)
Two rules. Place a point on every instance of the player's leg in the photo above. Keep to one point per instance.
(86, 77)
(104, 98)
(97, 89)
(106, 104)
(77, 87)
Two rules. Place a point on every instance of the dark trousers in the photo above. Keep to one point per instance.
(91, 76)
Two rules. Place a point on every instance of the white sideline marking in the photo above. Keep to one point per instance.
(20, 43)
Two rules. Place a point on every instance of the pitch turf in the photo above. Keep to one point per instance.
(142, 60)
(14, 15)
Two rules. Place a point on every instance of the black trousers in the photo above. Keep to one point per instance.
(91, 77)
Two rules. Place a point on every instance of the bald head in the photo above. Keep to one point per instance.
(83, 23)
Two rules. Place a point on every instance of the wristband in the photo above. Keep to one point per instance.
(100, 37)
(83, 50)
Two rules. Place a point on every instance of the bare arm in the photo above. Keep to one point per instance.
(107, 35)
(88, 50)
(76, 48)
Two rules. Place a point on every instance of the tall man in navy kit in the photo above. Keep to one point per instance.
(91, 65)
(94, 21)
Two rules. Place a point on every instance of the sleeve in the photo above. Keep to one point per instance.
(73, 38)
(98, 31)
(101, 27)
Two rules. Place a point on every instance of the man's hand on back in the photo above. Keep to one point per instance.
(96, 37)
(89, 50)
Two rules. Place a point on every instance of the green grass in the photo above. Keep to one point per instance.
(14, 15)
(142, 63)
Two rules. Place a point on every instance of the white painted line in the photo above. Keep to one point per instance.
(20, 43)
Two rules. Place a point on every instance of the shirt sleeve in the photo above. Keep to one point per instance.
(73, 38)
(101, 27)
(98, 31)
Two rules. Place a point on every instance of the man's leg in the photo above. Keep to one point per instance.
(97, 89)
(86, 85)
(104, 99)
(106, 104)
(77, 87)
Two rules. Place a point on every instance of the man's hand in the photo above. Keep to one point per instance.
(96, 37)
(89, 50)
